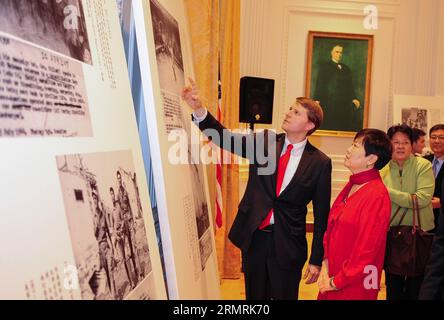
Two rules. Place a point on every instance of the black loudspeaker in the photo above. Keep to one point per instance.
(256, 100)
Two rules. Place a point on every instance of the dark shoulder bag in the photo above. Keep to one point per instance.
(408, 247)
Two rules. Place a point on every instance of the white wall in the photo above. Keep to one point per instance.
(418, 66)
(440, 53)
(408, 53)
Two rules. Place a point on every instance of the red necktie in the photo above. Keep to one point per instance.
(283, 162)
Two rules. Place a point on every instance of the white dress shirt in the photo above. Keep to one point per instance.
(293, 163)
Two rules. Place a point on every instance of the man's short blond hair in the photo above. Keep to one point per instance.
(314, 112)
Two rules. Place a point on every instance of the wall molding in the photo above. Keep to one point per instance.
(398, 66)
(326, 8)
(342, 10)
(384, 3)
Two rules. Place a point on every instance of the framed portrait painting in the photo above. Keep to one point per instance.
(338, 76)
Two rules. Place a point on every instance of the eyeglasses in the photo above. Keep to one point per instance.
(440, 138)
(399, 143)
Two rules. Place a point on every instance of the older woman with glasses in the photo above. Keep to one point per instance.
(403, 176)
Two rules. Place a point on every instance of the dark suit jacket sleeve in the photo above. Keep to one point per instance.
(321, 209)
(232, 142)
(433, 284)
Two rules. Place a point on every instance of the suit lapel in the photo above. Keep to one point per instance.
(302, 167)
(440, 172)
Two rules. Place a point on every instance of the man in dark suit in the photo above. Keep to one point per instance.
(432, 287)
(436, 135)
(270, 224)
(336, 93)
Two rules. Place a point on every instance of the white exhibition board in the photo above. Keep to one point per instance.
(68, 135)
(181, 189)
(418, 111)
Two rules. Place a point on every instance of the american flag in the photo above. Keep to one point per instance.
(219, 204)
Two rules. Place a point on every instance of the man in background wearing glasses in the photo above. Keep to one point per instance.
(436, 136)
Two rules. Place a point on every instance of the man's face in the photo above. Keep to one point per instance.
(296, 120)
(119, 179)
(113, 197)
(336, 53)
(419, 145)
(437, 142)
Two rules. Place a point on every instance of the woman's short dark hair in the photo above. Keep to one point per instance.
(378, 143)
(403, 128)
(417, 133)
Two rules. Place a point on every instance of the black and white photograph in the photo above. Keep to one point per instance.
(106, 226)
(202, 213)
(200, 202)
(171, 77)
(169, 64)
(415, 117)
(58, 25)
(206, 248)
(168, 49)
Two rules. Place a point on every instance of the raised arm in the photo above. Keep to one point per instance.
(243, 145)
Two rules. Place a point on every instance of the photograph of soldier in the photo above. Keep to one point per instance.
(129, 223)
(58, 25)
(109, 243)
(102, 233)
(121, 233)
(136, 188)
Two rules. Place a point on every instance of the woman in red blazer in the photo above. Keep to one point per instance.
(354, 243)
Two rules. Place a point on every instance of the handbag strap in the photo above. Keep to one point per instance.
(396, 213)
(415, 206)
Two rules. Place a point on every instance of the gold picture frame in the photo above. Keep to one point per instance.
(338, 75)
